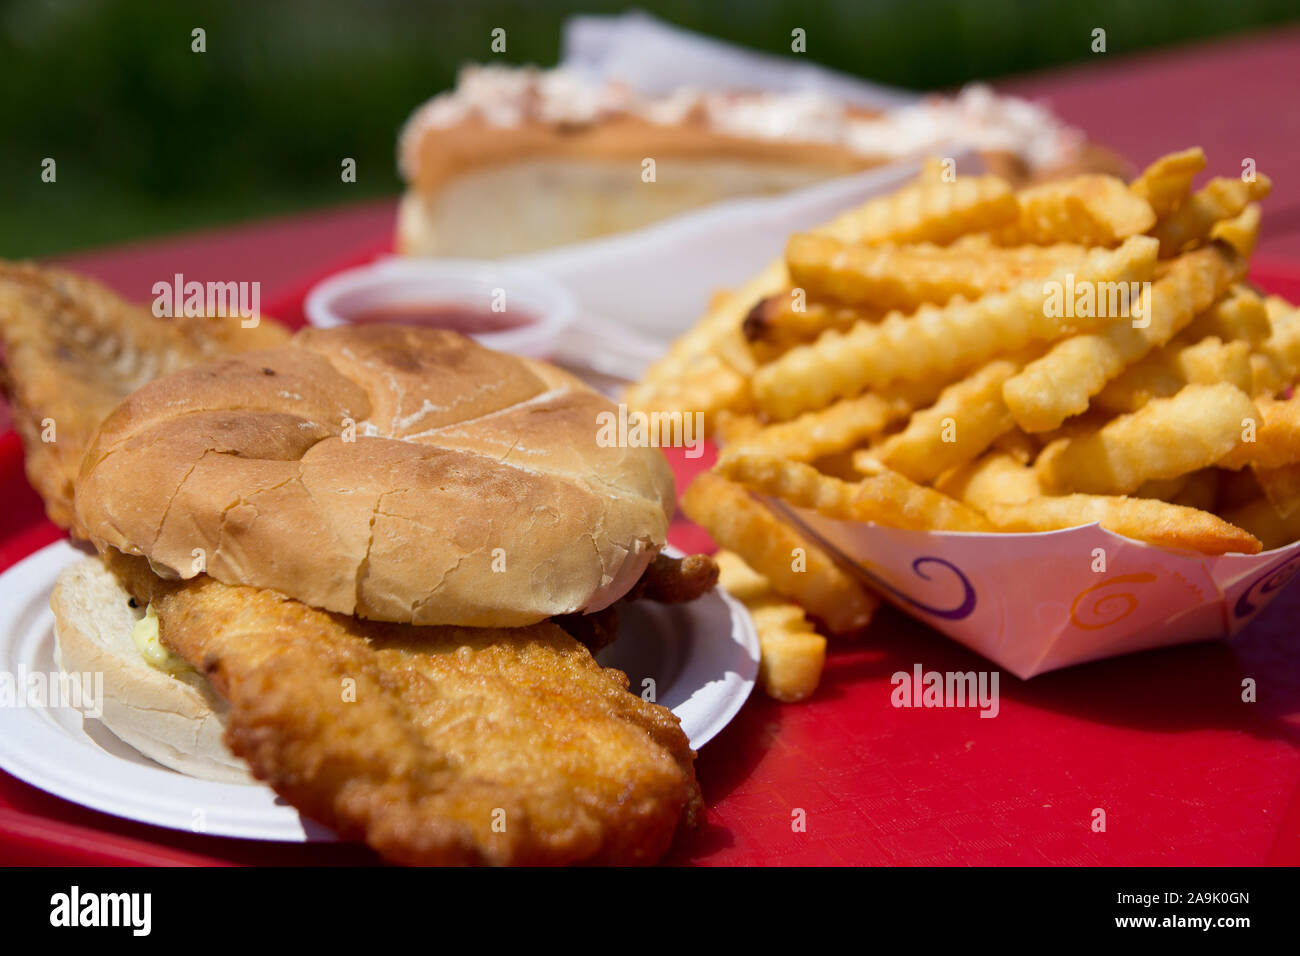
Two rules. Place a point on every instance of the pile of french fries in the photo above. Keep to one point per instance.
(959, 356)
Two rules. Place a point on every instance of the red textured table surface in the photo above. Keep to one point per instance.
(1186, 772)
(1236, 98)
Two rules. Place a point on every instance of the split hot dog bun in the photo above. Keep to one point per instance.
(514, 160)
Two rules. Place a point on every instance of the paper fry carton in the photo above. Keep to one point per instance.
(1036, 602)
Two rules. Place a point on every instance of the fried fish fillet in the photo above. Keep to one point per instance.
(670, 580)
(433, 745)
(666, 580)
(73, 350)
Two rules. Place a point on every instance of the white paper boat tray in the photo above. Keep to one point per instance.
(1037, 602)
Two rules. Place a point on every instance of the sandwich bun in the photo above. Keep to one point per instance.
(509, 164)
(174, 717)
(537, 189)
(390, 472)
(516, 159)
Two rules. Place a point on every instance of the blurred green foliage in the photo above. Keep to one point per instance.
(151, 138)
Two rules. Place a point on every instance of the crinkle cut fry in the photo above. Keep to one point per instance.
(884, 497)
(1276, 440)
(1007, 492)
(1281, 487)
(996, 478)
(699, 372)
(1092, 209)
(936, 341)
(779, 322)
(1061, 383)
(884, 277)
(1242, 231)
(928, 211)
(1276, 364)
(793, 653)
(1222, 199)
(1166, 183)
(1181, 361)
(794, 566)
(1167, 437)
(1144, 519)
(441, 729)
(826, 431)
(968, 417)
(703, 370)
(1261, 519)
(1238, 314)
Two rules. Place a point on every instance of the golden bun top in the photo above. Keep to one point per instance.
(391, 472)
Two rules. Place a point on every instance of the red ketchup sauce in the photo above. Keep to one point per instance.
(466, 319)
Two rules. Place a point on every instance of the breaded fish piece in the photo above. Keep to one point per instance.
(666, 580)
(670, 580)
(433, 745)
(73, 349)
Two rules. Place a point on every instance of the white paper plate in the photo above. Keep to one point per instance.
(703, 658)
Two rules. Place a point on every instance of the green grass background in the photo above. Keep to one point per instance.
(151, 138)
